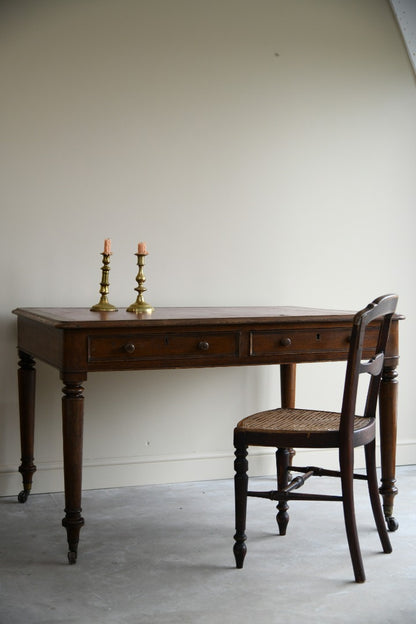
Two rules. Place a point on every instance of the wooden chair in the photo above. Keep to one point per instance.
(290, 428)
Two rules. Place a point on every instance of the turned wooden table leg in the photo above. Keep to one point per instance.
(388, 433)
(27, 387)
(288, 385)
(288, 398)
(72, 430)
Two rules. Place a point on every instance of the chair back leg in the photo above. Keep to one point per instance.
(347, 483)
(370, 460)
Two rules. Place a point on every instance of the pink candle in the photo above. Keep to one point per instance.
(141, 249)
(107, 246)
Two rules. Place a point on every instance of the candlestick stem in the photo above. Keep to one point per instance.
(140, 304)
(103, 305)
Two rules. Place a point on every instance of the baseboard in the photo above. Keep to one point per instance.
(121, 472)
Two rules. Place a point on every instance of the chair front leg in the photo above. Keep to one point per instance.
(240, 491)
(283, 460)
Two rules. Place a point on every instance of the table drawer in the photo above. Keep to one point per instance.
(163, 346)
(263, 343)
(299, 341)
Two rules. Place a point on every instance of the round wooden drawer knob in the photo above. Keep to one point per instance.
(129, 348)
(285, 342)
(203, 345)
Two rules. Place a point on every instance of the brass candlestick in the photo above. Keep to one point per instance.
(140, 304)
(103, 305)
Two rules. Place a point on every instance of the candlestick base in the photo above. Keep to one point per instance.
(140, 306)
(103, 306)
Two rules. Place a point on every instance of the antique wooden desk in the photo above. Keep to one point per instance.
(77, 341)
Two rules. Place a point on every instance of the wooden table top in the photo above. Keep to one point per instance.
(84, 318)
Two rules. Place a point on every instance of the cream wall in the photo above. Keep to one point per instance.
(265, 151)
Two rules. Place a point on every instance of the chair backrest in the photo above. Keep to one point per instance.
(382, 310)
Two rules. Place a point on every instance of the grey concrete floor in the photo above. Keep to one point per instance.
(163, 555)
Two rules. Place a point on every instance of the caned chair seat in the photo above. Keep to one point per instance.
(301, 420)
(286, 429)
(305, 428)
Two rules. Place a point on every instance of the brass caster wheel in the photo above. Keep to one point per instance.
(72, 557)
(392, 524)
(23, 496)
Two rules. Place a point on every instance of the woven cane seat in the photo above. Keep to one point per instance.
(300, 420)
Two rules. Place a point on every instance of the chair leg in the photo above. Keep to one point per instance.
(370, 459)
(240, 492)
(347, 482)
(283, 456)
